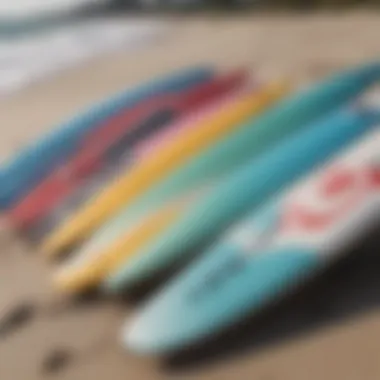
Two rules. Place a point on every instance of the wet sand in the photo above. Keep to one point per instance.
(301, 47)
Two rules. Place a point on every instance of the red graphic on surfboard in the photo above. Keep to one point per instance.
(340, 190)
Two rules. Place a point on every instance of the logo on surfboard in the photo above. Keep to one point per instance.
(314, 212)
(340, 191)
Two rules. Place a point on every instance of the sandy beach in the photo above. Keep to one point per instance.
(300, 47)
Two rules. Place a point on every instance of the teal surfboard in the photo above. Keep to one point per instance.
(267, 254)
(246, 188)
(23, 171)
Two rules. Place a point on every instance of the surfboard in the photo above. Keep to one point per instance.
(22, 172)
(141, 177)
(249, 140)
(267, 254)
(105, 148)
(168, 240)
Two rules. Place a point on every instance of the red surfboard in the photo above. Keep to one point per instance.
(113, 142)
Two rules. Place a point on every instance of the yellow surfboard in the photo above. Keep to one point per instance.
(82, 275)
(175, 153)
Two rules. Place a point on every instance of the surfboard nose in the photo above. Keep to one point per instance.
(190, 310)
(139, 339)
(150, 334)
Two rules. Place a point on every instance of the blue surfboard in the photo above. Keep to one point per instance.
(23, 171)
